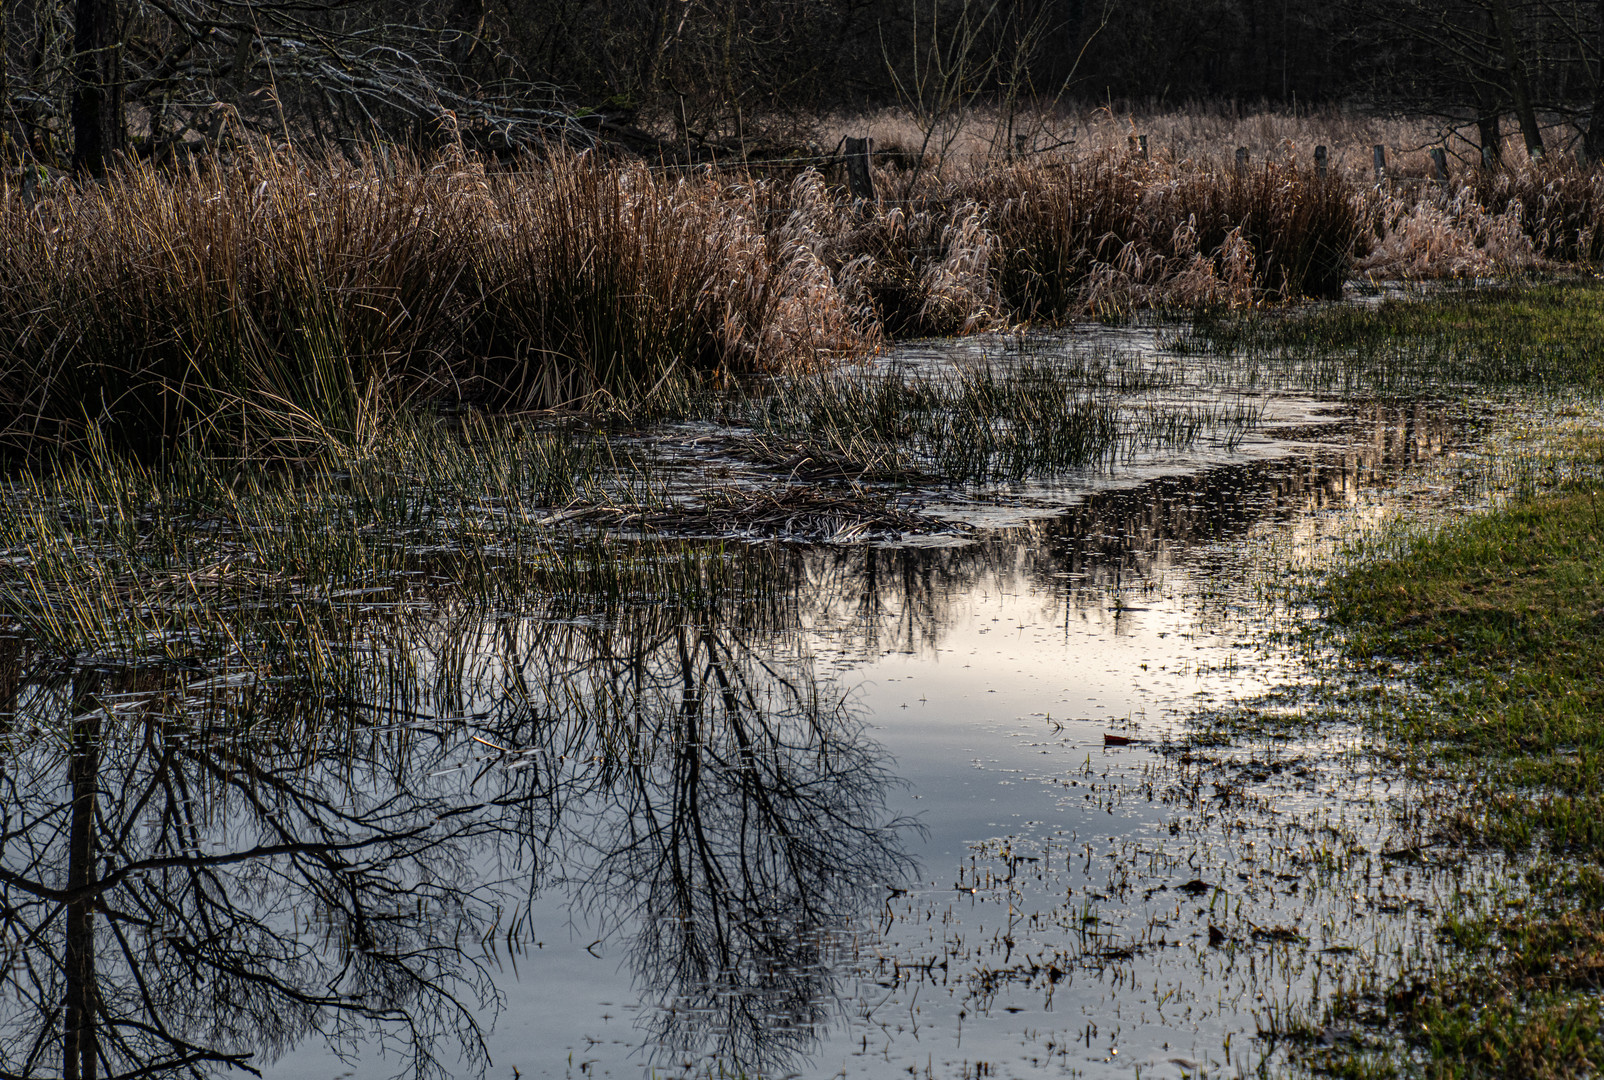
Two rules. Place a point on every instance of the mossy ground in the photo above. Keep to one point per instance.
(1475, 656)
(1498, 624)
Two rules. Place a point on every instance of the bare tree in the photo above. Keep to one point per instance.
(185, 901)
(159, 76)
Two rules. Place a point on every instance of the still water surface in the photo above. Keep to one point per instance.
(1042, 930)
(855, 811)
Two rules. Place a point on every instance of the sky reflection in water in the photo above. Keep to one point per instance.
(861, 821)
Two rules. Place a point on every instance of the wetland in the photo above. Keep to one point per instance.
(1072, 704)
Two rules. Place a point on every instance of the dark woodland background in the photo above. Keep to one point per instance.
(84, 80)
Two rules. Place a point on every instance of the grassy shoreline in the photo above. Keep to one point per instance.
(1460, 660)
(1496, 624)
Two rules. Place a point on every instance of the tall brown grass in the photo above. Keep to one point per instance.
(1202, 133)
(284, 300)
(1540, 215)
(288, 300)
(588, 279)
(220, 300)
(1557, 202)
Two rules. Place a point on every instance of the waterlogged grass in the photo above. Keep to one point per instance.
(1021, 417)
(271, 572)
(269, 566)
(1479, 650)
(309, 588)
(1470, 667)
(1513, 334)
(1498, 623)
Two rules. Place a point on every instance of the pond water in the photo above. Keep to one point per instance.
(871, 809)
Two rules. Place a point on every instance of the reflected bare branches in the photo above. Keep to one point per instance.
(308, 832)
(721, 815)
(176, 901)
(191, 882)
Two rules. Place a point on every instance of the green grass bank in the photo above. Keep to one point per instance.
(1497, 626)
(1470, 653)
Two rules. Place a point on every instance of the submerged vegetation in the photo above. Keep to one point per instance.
(1017, 417)
(1490, 631)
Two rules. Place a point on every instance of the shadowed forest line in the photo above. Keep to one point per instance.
(82, 83)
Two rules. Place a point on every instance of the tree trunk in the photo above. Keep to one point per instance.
(5, 76)
(80, 1047)
(1488, 128)
(1593, 138)
(97, 92)
(1519, 85)
(657, 54)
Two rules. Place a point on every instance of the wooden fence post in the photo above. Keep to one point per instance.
(1439, 165)
(1321, 159)
(860, 182)
(1378, 157)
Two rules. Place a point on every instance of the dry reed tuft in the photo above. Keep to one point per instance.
(1302, 228)
(605, 279)
(288, 301)
(1057, 224)
(1537, 215)
(271, 301)
(285, 302)
(1444, 235)
(1556, 202)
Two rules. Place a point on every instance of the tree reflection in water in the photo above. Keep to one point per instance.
(203, 862)
(188, 886)
(176, 898)
(733, 826)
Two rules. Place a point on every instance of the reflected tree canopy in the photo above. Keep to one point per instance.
(729, 820)
(177, 899)
(210, 857)
(199, 871)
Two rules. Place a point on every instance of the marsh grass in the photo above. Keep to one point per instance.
(607, 279)
(281, 303)
(1513, 334)
(265, 569)
(292, 574)
(1020, 416)
(1558, 203)
(1119, 231)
